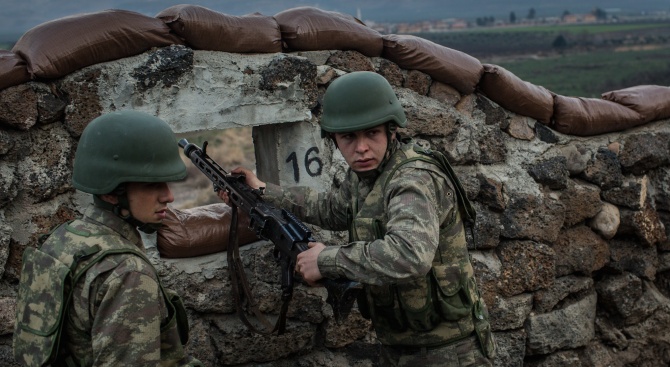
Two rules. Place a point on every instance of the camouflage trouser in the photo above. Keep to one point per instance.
(464, 353)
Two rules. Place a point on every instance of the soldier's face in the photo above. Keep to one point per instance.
(363, 150)
(148, 200)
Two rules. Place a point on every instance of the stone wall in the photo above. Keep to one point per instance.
(571, 250)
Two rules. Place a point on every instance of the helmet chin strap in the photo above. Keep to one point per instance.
(148, 228)
(118, 208)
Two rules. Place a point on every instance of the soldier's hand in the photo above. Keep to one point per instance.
(223, 195)
(307, 265)
(250, 177)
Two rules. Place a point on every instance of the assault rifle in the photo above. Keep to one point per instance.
(289, 235)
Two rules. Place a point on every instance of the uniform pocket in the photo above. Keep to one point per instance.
(178, 312)
(452, 297)
(416, 299)
(43, 298)
(386, 307)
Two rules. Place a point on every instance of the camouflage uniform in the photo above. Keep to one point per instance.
(119, 315)
(407, 245)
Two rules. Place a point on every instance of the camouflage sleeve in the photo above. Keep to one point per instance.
(127, 324)
(326, 210)
(417, 201)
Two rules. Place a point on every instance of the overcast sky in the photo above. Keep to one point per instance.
(20, 15)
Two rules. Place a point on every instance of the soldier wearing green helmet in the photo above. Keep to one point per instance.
(404, 209)
(127, 147)
(106, 306)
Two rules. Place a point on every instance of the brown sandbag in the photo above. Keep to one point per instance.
(592, 116)
(200, 231)
(312, 29)
(652, 102)
(206, 29)
(443, 64)
(13, 70)
(521, 97)
(61, 46)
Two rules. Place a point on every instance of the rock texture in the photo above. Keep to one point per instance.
(571, 247)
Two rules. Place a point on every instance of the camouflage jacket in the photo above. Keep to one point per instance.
(417, 201)
(407, 244)
(119, 315)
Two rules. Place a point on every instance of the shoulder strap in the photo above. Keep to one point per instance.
(173, 301)
(468, 213)
(239, 281)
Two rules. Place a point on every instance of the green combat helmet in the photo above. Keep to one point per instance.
(125, 146)
(360, 100)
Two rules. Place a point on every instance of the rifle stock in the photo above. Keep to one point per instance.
(289, 235)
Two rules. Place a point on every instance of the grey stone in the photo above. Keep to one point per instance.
(581, 201)
(519, 256)
(579, 250)
(645, 151)
(511, 313)
(551, 172)
(546, 300)
(604, 169)
(631, 194)
(607, 221)
(569, 327)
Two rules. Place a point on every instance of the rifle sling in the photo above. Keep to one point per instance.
(239, 279)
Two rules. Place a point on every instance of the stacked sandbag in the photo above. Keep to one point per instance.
(592, 116)
(200, 231)
(13, 70)
(521, 97)
(652, 102)
(61, 46)
(311, 29)
(206, 29)
(443, 64)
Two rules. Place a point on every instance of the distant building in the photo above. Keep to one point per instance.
(459, 24)
(579, 18)
(589, 18)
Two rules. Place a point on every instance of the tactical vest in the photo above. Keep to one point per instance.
(50, 272)
(444, 306)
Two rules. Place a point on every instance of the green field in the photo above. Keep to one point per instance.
(593, 73)
(588, 61)
(494, 41)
